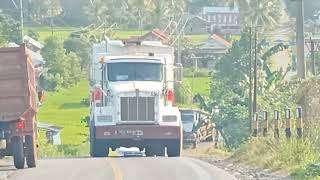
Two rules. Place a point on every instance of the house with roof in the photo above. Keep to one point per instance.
(153, 35)
(196, 25)
(206, 55)
(222, 20)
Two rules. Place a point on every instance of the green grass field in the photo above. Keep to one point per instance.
(64, 109)
(198, 39)
(199, 85)
(64, 32)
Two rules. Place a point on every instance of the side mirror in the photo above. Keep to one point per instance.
(178, 73)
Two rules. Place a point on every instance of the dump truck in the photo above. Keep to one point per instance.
(132, 98)
(18, 107)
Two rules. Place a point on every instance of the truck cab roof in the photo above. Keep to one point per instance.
(145, 59)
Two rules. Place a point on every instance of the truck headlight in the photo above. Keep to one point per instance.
(104, 118)
(169, 118)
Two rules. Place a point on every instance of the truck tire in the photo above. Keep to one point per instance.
(31, 151)
(210, 138)
(195, 144)
(153, 150)
(174, 149)
(97, 149)
(18, 152)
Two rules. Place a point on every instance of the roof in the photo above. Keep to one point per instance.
(32, 41)
(160, 34)
(216, 9)
(220, 40)
(200, 18)
(49, 127)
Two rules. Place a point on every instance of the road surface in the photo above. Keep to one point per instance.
(154, 168)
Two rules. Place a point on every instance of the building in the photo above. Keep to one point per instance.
(196, 25)
(52, 132)
(153, 35)
(206, 55)
(222, 20)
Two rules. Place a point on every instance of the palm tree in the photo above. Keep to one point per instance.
(263, 13)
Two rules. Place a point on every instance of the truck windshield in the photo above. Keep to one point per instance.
(186, 118)
(134, 71)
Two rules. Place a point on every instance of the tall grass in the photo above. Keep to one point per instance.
(275, 154)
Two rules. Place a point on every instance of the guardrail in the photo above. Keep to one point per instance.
(288, 123)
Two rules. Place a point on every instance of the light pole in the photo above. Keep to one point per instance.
(301, 66)
(21, 17)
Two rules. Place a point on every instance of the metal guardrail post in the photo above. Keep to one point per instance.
(255, 125)
(276, 124)
(288, 122)
(299, 122)
(265, 123)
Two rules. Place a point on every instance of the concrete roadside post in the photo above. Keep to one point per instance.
(299, 122)
(276, 124)
(288, 122)
(265, 123)
(255, 125)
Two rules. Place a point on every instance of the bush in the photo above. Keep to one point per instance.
(312, 171)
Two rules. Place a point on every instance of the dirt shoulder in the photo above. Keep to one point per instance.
(241, 171)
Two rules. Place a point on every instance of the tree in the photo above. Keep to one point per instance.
(63, 69)
(263, 13)
(81, 47)
(40, 10)
(9, 29)
(230, 84)
(311, 8)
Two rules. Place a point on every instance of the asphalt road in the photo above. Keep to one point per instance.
(154, 168)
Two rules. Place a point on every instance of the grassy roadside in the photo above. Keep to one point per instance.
(64, 108)
(292, 156)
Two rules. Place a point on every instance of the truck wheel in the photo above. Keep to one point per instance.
(210, 138)
(174, 149)
(160, 150)
(195, 144)
(98, 150)
(18, 153)
(31, 151)
(150, 151)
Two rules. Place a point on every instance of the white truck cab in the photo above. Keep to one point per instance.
(132, 98)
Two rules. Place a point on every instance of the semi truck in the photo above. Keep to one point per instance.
(132, 98)
(18, 107)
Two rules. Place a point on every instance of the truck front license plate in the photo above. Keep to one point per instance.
(130, 132)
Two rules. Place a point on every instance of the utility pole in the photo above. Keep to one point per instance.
(255, 73)
(313, 62)
(250, 79)
(301, 66)
(21, 20)
(51, 18)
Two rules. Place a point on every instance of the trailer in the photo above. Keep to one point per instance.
(18, 107)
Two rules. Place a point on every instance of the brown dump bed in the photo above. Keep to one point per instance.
(17, 85)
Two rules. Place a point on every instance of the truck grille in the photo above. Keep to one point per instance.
(137, 108)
